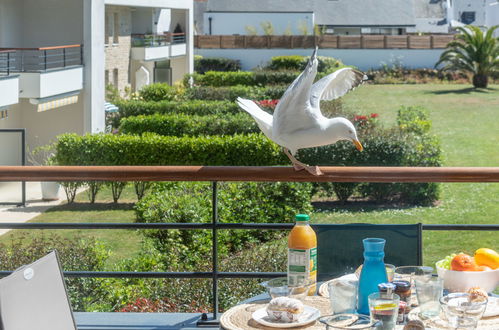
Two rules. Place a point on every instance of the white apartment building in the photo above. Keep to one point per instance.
(56, 57)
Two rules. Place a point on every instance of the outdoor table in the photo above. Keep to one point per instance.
(239, 317)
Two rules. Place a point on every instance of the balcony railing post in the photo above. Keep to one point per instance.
(64, 57)
(8, 63)
(45, 60)
(215, 247)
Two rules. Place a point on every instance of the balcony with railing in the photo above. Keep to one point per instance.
(146, 47)
(9, 81)
(46, 71)
(215, 175)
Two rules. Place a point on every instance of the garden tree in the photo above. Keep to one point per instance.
(474, 51)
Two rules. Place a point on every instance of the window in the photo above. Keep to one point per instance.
(107, 29)
(106, 77)
(116, 28)
(115, 78)
(468, 17)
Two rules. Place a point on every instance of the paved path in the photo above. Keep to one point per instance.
(10, 192)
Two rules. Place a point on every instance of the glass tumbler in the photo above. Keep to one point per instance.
(462, 312)
(384, 309)
(343, 296)
(429, 292)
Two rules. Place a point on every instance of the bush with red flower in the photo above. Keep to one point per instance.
(268, 104)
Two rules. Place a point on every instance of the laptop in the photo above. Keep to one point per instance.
(34, 297)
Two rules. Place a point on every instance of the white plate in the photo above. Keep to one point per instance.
(310, 314)
(492, 308)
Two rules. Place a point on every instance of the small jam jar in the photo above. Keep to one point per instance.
(403, 289)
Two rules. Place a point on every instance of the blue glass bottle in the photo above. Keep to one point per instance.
(373, 271)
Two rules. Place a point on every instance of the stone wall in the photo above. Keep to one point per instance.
(118, 44)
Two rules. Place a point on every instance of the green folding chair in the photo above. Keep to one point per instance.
(340, 246)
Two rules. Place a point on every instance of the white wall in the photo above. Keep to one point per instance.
(9, 90)
(163, 20)
(11, 23)
(52, 22)
(10, 148)
(478, 6)
(493, 15)
(235, 23)
(142, 20)
(364, 59)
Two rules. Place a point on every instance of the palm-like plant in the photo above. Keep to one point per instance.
(474, 51)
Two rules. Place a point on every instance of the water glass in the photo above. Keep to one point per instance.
(461, 312)
(429, 291)
(385, 309)
(410, 273)
(390, 272)
(343, 296)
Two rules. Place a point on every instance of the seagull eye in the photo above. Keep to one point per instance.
(350, 131)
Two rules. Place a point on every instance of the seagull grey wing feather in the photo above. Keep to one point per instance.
(262, 118)
(335, 85)
(293, 110)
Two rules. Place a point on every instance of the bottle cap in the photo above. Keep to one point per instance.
(404, 285)
(302, 217)
(386, 287)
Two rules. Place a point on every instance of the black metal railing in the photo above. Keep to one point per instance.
(214, 175)
(43, 58)
(157, 40)
(6, 62)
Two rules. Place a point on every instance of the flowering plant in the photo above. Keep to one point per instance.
(363, 122)
(269, 104)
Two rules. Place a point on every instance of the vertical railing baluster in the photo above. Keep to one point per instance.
(215, 247)
(64, 57)
(8, 64)
(45, 60)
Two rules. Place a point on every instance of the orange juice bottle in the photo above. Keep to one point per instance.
(302, 253)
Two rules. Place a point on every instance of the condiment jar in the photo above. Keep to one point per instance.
(386, 289)
(403, 289)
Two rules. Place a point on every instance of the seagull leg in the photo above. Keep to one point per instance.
(298, 166)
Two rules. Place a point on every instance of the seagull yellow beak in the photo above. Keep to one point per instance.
(358, 145)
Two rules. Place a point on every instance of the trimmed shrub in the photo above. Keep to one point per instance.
(194, 107)
(158, 92)
(180, 125)
(238, 202)
(153, 149)
(298, 63)
(244, 78)
(233, 92)
(202, 64)
(76, 254)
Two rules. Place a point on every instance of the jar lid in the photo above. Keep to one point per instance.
(386, 287)
(302, 217)
(400, 284)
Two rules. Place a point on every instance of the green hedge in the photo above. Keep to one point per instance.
(233, 92)
(245, 78)
(298, 63)
(180, 124)
(203, 65)
(153, 149)
(194, 107)
(158, 92)
(238, 202)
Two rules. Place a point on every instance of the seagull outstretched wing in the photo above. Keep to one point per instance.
(293, 110)
(335, 85)
(262, 118)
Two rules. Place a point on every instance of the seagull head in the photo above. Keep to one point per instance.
(346, 131)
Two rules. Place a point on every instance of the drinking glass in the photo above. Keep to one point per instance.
(348, 321)
(461, 312)
(429, 292)
(385, 309)
(410, 273)
(390, 272)
(343, 296)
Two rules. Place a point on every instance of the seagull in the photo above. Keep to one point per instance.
(298, 123)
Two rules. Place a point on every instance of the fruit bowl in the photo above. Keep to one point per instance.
(462, 281)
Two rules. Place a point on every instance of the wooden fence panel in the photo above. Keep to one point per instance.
(328, 41)
(232, 42)
(349, 42)
(209, 41)
(369, 41)
(257, 41)
(396, 42)
(420, 42)
(280, 41)
(303, 41)
(441, 41)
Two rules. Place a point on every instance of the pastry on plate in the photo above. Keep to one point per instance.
(284, 309)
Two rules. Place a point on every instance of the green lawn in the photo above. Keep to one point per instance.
(467, 122)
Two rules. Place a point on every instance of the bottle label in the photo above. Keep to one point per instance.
(302, 264)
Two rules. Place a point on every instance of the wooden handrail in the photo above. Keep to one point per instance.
(3, 50)
(42, 48)
(248, 173)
